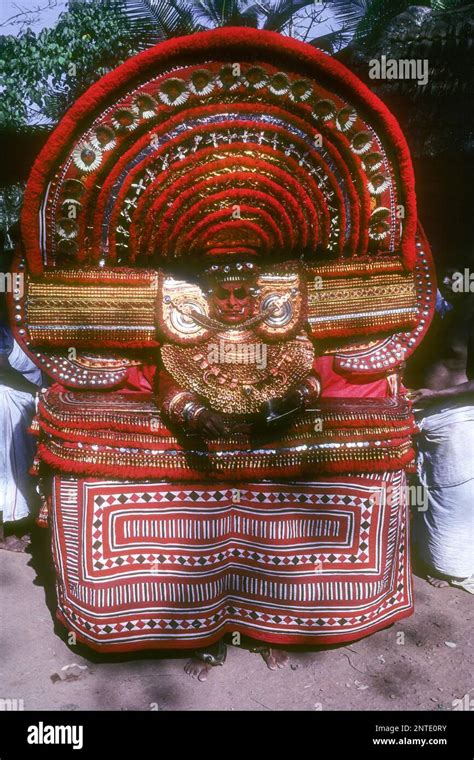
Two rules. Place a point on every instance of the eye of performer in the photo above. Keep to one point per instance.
(221, 293)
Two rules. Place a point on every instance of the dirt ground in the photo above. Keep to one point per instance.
(421, 663)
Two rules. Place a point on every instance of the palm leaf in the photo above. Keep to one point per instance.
(364, 19)
(330, 42)
(349, 13)
(217, 13)
(280, 13)
(161, 19)
(379, 12)
(447, 5)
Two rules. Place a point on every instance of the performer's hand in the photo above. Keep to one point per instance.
(211, 424)
(278, 410)
(280, 407)
(422, 396)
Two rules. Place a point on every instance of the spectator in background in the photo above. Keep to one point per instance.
(19, 381)
(443, 372)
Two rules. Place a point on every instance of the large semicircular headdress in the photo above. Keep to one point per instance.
(229, 140)
(232, 142)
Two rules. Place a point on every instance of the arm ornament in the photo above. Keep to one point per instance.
(182, 407)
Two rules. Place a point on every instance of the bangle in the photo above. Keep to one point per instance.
(310, 390)
(175, 403)
(193, 413)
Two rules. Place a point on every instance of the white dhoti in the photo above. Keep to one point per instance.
(445, 531)
(17, 446)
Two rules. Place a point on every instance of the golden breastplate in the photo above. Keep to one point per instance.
(236, 372)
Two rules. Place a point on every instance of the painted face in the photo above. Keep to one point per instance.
(232, 302)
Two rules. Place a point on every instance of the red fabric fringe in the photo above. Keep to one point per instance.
(177, 474)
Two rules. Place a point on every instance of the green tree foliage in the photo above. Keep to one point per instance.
(214, 13)
(162, 19)
(363, 20)
(41, 75)
(173, 17)
(274, 15)
(447, 5)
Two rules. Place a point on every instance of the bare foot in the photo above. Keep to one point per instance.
(15, 543)
(437, 582)
(200, 664)
(274, 658)
(196, 668)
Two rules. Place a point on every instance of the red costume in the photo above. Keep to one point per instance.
(224, 230)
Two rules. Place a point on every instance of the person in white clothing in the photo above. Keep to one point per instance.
(444, 409)
(19, 381)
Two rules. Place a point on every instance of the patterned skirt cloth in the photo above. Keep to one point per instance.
(166, 565)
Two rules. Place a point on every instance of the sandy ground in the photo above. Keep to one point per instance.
(421, 663)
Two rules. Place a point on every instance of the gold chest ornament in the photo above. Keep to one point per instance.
(236, 372)
(236, 369)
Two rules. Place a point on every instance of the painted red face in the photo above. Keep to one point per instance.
(231, 302)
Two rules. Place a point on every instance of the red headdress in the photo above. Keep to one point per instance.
(232, 141)
(227, 146)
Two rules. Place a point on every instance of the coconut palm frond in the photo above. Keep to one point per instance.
(379, 12)
(364, 20)
(349, 13)
(217, 13)
(161, 19)
(278, 14)
(330, 42)
(447, 5)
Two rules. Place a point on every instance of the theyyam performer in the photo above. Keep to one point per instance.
(224, 277)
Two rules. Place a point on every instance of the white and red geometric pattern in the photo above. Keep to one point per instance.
(159, 565)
